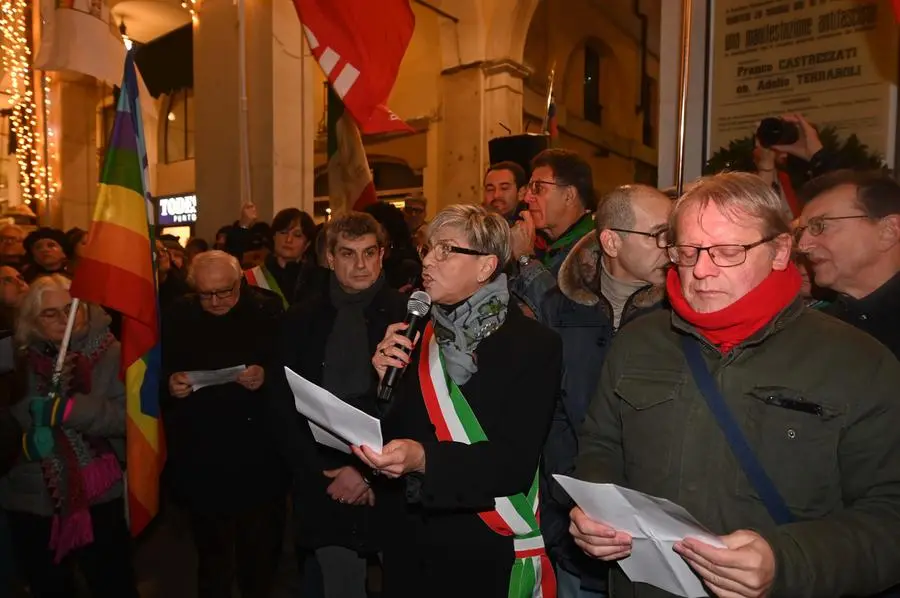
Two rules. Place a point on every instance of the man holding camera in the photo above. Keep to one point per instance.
(779, 140)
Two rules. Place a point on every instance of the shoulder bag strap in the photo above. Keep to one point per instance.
(758, 477)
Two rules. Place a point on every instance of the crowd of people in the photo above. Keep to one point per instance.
(713, 349)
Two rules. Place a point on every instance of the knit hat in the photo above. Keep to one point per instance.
(171, 242)
(45, 232)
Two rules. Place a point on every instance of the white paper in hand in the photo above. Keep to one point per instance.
(655, 525)
(203, 378)
(333, 422)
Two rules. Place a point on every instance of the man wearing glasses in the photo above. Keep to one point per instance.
(223, 464)
(560, 198)
(849, 232)
(610, 277)
(773, 424)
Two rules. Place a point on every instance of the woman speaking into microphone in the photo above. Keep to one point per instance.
(466, 426)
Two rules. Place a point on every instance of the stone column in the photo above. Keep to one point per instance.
(79, 160)
(476, 99)
(216, 109)
(280, 119)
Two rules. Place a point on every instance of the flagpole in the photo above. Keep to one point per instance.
(546, 122)
(64, 346)
(685, 73)
(246, 186)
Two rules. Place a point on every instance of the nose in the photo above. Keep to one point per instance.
(704, 267)
(805, 241)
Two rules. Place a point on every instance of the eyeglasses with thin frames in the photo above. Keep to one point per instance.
(442, 250)
(724, 256)
(55, 313)
(536, 186)
(661, 237)
(221, 294)
(817, 224)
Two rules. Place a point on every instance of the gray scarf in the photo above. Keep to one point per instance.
(459, 331)
(347, 369)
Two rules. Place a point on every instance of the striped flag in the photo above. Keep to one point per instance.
(117, 270)
(360, 44)
(350, 183)
(552, 126)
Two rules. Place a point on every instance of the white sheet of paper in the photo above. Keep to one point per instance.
(655, 525)
(332, 421)
(203, 378)
(326, 438)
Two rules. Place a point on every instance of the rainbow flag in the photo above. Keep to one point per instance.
(117, 270)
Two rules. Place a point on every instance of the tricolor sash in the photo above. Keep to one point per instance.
(259, 276)
(453, 419)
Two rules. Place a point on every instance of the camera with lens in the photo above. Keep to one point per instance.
(777, 131)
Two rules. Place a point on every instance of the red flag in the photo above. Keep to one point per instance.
(360, 44)
(897, 10)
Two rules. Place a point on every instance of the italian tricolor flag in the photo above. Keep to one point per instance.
(350, 181)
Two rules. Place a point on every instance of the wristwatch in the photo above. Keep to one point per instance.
(524, 260)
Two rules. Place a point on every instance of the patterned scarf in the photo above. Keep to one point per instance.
(459, 331)
(80, 470)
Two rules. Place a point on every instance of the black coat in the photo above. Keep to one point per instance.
(220, 453)
(321, 521)
(438, 546)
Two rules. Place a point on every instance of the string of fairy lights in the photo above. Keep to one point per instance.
(30, 113)
(191, 7)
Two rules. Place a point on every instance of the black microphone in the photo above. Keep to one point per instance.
(417, 309)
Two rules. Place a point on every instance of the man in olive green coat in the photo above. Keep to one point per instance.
(816, 400)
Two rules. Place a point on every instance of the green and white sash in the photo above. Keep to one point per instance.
(454, 421)
(259, 276)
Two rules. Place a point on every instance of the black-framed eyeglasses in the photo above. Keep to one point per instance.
(442, 250)
(536, 186)
(220, 294)
(724, 256)
(817, 224)
(661, 237)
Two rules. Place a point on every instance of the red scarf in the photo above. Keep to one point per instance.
(731, 326)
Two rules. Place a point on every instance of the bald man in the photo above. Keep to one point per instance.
(611, 276)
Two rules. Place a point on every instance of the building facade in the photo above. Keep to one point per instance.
(475, 70)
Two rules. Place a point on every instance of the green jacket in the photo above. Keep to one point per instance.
(648, 428)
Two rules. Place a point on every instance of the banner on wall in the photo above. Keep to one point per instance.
(833, 61)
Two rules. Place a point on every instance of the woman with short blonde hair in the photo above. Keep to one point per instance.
(466, 425)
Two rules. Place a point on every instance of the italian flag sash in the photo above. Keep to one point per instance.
(453, 420)
(259, 276)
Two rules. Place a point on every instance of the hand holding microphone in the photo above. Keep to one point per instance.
(393, 351)
(392, 354)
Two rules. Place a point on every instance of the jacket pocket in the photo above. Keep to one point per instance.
(649, 420)
(796, 440)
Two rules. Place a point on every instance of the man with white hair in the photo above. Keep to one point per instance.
(224, 468)
(773, 424)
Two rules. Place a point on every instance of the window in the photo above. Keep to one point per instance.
(593, 110)
(179, 127)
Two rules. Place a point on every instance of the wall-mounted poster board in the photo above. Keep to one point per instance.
(833, 61)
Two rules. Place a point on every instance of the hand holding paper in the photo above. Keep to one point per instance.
(203, 378)
(333, 422)
(655, 525)
(745, 568)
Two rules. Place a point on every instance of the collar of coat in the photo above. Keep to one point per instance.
(579, 277)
